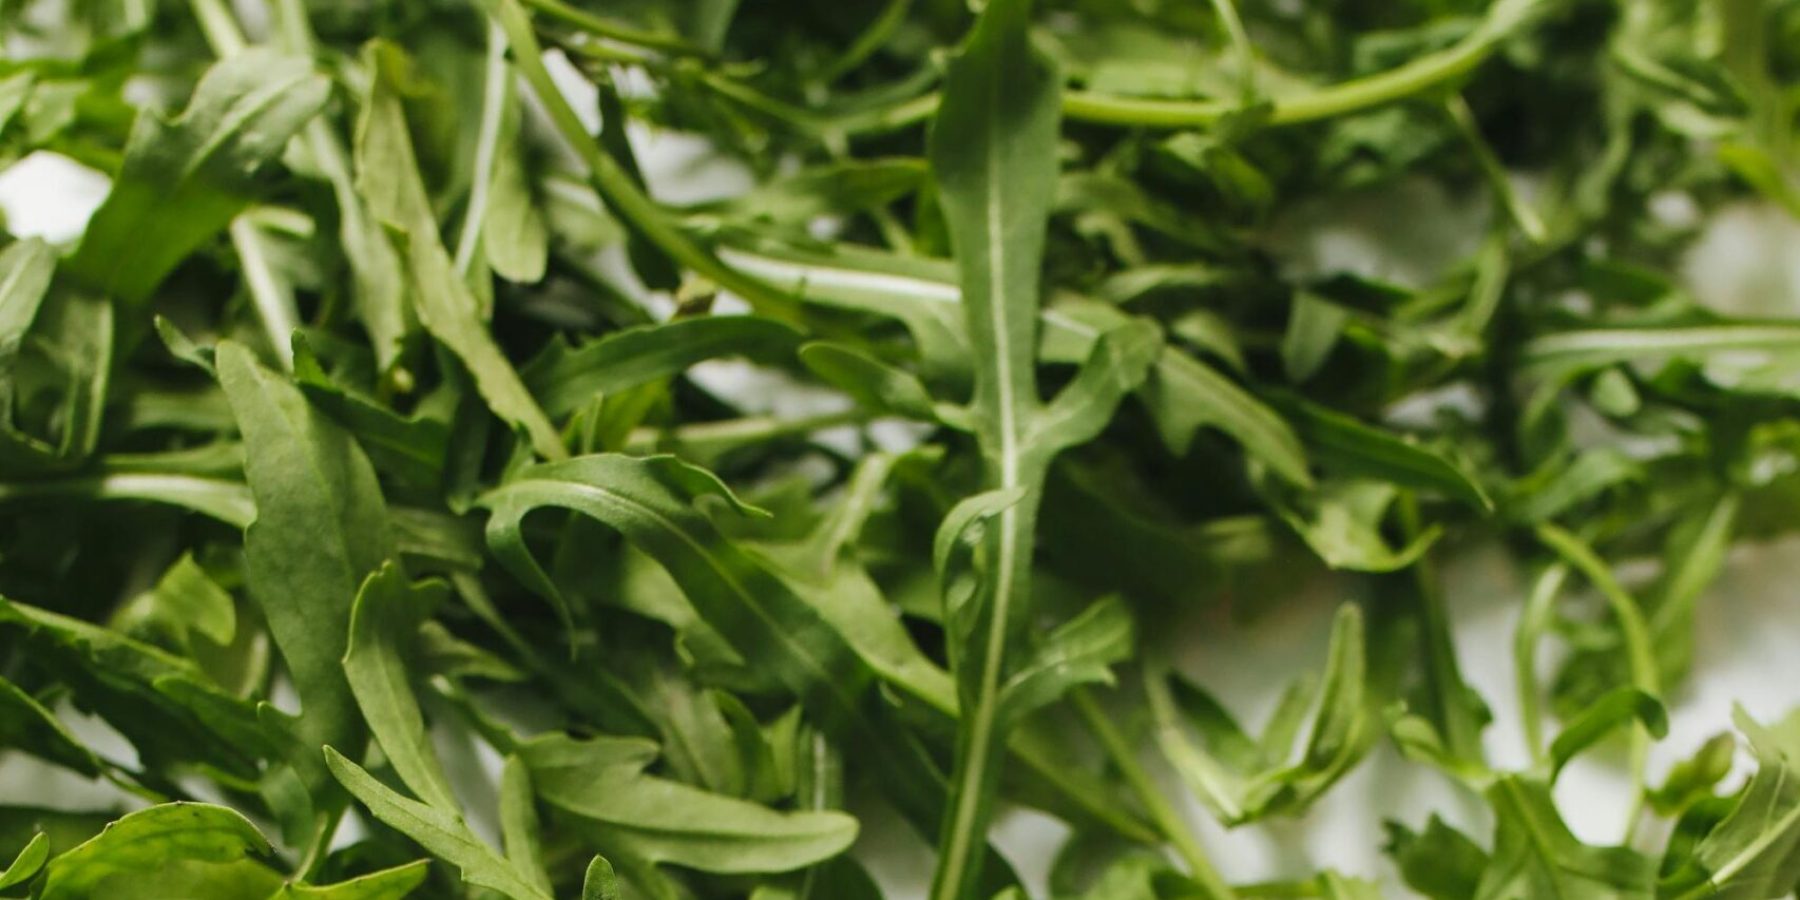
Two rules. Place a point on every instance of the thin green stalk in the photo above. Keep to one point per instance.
(1240, 44)
(1533, 622)
(1369, 91)
(1444, 681)
(320, 140)
(219, 27)
(1521, 213)
(747, 430)
(1356, 95)
(980, 740)
(583, 20)
(615, 185)
(274, 303)
(1640, 659)
(496, 92)
(872, 39)
(1174, 829)
(274, 306)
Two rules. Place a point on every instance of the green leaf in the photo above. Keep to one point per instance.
(1119, 362)
(564, 378)
(1440, 862)
(411, 448)
(25, 724)
(73, 337)
(1560, 486)
(387, 884)
(1312, 330)
(389, 175)
(440, 831)
(656, 504)
(1342, 523)
(182, 181)
(229, 502)
(519, 823)
(1755, 850)
(599, 883)
(191, 602)
(1597, 347)
(1691, 780)
(871, 382)
(383, 623)
(28, 266)
(992, 150)
(164, 704)
(1079, 651)
(602, 781)
(1242, 780)
(1182, 393)
(502, 218)
(315, 490)
(1619, 708)
(1535, 854)
(148, 853)
(1351, 447)
(27, 862)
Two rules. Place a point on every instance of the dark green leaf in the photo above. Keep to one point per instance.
(182, 181)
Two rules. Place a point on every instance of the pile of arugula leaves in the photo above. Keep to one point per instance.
(383, 424)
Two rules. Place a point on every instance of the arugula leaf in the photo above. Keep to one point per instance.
(654, 503)
(27, 863)
(1535, 854)
(387, 614)
(28, 265)
(444, 446)
(28, 726)
(163, 851)
(387, 884)
(1755, 850)
(991, 153)
(183, 180)
(1241, 779)
(1618, 708)
(440, 831)
(440, 297)
(314, 488)
(602, 782)
(563, 378)
(164, 704)
(1440, 862)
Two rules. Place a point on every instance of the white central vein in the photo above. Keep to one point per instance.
(968, 798)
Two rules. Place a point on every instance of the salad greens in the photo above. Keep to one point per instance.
(683, 449)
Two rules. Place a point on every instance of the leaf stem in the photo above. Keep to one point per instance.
(980, 740)
(1358, 94)
(1156, 803)
(583, 20)
(274, 305)
(1240, 44)
(1532, 623)
(871, 40)
(1530, 224)
(1462, 735)
(497, 90)
(1639, 657)
(219, 27)
(614, 184)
